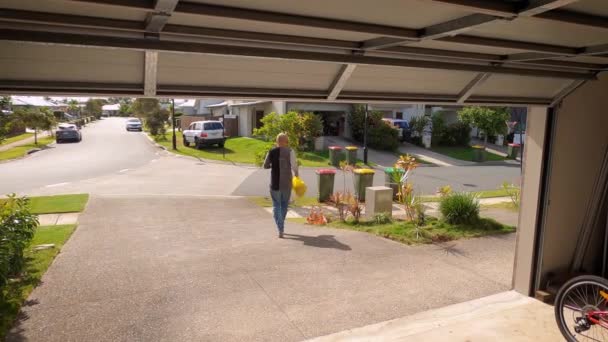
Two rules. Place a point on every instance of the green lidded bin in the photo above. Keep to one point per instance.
(335, 155)
(513, 151)
(364, 178)
(325, 181)
(479, 153)
(351, 155)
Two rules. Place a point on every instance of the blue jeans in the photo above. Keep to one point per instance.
(280, 203)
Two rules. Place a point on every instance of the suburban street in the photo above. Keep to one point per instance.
(110, 160)
(106, 148)
(168, 249)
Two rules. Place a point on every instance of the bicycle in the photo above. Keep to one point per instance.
(581, 309)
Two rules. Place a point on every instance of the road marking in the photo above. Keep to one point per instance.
(124, 170)
(58, 184)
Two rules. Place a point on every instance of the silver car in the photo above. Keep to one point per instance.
(67, 132)
(133, 125)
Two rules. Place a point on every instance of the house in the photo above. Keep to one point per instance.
(110, 109)
(247, 115)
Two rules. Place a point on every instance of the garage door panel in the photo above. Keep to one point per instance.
(407, 80)
(67, 63)
(228, 71)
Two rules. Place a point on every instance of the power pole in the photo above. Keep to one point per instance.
(173, 123)
(365, 136)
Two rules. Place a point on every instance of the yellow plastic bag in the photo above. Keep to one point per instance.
(299, 187)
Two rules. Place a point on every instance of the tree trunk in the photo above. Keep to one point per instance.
(35, 137)
(485, 140)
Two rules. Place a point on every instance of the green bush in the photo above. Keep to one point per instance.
(383, 137)
(301, 128)
(356, 120)
(417, 125)
(454, 134)
(17, 227)
(260, 155)
(459, 208)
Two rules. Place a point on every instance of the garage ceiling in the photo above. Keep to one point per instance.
(515, 52)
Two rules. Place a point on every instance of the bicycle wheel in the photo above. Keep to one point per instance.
(575, 302)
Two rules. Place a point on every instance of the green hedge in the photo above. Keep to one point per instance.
(17, 228)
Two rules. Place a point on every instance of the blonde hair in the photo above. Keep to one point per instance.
(281, 137)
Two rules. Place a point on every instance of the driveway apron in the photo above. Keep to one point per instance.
(159, 268)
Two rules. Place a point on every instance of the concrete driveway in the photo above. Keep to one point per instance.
(162, 268)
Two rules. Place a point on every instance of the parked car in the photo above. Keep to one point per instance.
(405, 133)
(67, 132)
(202, 133)
(134, 124)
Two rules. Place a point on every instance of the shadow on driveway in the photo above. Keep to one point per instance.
(321, 241)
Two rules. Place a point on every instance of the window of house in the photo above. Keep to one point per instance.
(399, 115)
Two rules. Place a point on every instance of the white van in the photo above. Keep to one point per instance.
(202, 133)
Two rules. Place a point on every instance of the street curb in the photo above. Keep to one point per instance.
(154, 142)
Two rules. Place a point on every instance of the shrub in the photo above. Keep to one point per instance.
(459, 208)
(514, 193)
(17, 227)
(260, 155)
(439, 129)
(458, 134)
(382, 218)
(300, 128)
(356, 120)
(417, 125)
(383, 137)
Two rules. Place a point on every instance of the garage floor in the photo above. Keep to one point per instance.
(507, 316)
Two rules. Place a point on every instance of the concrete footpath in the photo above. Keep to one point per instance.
(187, 268)
(22, 142)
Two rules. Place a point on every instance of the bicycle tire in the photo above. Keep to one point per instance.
(559, 301)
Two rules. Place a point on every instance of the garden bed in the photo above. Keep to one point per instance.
(434, 230)
(465, 153)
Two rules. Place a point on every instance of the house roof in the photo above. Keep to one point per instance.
(248, 103)
(36, 101)
(221, 104)
(434, 51)
(188, 103)
(115, 106)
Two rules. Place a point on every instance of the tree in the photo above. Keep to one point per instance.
(72, 106)
(490, 120)
(94, 107)
(125, 109)
(38, 119)
(154, 117)
(5, 102)
(301, 128)
(356, 120)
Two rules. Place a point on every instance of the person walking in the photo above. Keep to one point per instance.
(282, 162)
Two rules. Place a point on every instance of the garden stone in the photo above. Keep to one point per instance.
(379, 199)
(44, 246)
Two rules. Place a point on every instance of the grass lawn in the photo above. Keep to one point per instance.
(37, 263)
(505, 205)
(16, 138)
(465, 153)
(238, 150)
(480, 194)
(435, 230)
(58, 204)
(266, 201)
(20, 151)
